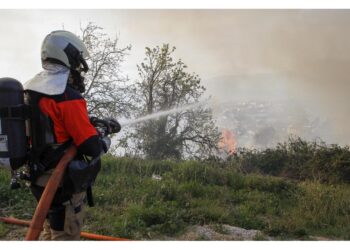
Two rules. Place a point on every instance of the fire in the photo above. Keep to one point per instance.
(228, 142)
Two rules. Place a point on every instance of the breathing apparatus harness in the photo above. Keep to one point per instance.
(27, 138)
(27, 135)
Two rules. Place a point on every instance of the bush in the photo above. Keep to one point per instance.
(298, 159)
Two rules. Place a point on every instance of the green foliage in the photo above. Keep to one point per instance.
(16, 203)
(3, 229)
(322, 210)
(164, 83)
(198, 193)
(131, 203)
(298, 159)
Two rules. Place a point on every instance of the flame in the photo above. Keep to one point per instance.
(228, 141)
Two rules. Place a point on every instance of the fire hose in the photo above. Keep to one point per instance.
(85, 235)
(36, 225)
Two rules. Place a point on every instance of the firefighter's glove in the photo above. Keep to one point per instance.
(113, 126)
(106, 143)
(94, 120)
(106, 126)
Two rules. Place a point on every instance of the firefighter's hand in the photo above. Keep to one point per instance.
(106, 126)
(114, 126)
(94, 120)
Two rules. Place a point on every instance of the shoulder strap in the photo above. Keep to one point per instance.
(41, 126)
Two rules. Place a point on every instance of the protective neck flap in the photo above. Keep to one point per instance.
(51, 81)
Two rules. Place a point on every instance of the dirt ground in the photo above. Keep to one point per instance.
(193, 233)
(224, 232)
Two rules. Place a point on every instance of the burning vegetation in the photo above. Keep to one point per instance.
(228, 142)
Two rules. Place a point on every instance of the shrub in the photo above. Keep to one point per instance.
(297, 159)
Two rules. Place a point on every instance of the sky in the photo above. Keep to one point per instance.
(301, 57)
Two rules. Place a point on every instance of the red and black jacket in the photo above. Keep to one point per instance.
(62, 118)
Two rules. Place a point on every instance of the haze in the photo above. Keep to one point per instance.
(297, 57)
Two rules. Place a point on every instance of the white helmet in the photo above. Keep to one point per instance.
(63, 47)
(63, 55)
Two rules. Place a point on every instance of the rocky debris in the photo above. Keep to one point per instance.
(221, 232)
(242, 233)
(156, 177)
(319, 238)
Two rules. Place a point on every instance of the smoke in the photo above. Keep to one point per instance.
(299, 57)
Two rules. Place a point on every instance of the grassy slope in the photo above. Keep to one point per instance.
(129, 203)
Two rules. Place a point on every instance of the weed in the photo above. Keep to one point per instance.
(3, 229)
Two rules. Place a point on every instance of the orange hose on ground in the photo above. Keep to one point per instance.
(15, 221)
(100, 237)
(85, 235)
(36, 225)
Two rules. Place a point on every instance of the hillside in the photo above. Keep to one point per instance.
(148, 200)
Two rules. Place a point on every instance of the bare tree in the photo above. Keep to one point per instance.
(164, 84)
(107, 89)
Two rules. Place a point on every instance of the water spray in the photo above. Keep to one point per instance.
(162, 113)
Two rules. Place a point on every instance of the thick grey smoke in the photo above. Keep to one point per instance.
(302, 57)
(299, 57)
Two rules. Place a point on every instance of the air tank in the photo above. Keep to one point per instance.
(13, 140)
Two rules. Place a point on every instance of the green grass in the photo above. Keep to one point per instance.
(192, 193)
(322, 210)
(129, 203)
(3, 229)
(17, 203)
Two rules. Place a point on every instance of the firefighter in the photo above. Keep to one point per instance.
(61, 119)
